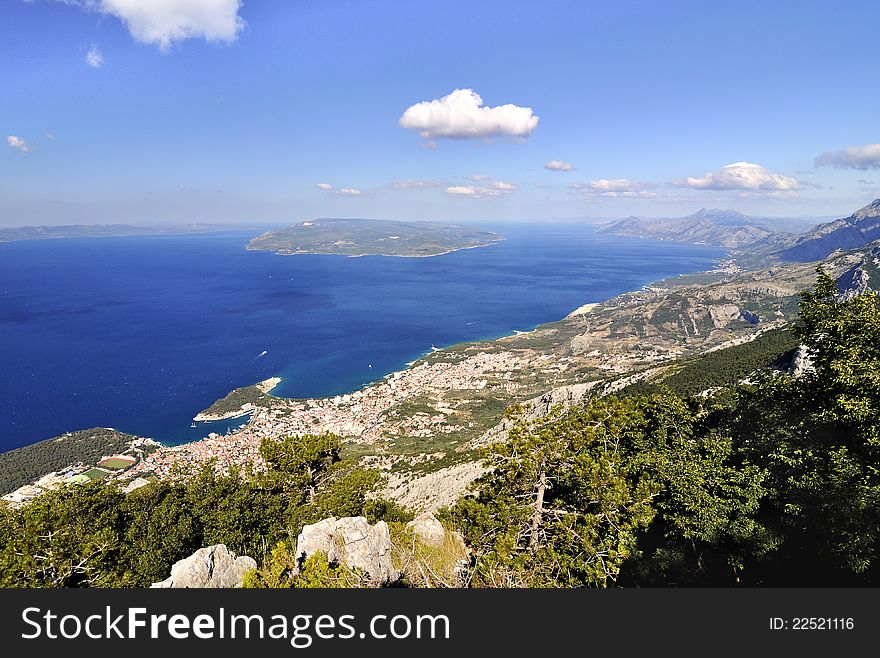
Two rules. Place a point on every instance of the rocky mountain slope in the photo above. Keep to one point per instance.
(857, 230)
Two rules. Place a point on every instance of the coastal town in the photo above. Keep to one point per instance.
(365, 416)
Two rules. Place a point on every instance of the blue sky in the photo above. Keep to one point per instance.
(280, 110)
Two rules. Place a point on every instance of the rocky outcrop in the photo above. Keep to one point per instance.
(852, 283)
(801, 363)
(351, 542)
(211, 567)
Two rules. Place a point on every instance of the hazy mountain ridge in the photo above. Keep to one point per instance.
(857, 230)
(105, 231)
(711, 227)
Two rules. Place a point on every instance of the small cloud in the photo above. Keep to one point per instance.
(462, 115)
(50, 136)
(558, 165)
(17, 143)
(741, 176)
(855, 157)
(342, 191)
(616, 187)
(865, 182)
(501, 186)
(414, 184)
(94, 58)
(462, 190)
(487, 189)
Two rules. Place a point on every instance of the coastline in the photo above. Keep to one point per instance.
(253, 411)
(583, 309)
(246, 409)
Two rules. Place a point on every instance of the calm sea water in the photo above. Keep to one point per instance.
(142, 333)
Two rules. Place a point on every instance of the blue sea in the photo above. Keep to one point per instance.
(142, 333)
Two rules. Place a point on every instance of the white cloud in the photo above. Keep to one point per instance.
(94, 58)
(324, 186)
(559, 165)
(486, 189)
(462, 115)
(17, 143)
(855, 157)
(414, 184)
(617, 187)
(166, 22)
(741, 176)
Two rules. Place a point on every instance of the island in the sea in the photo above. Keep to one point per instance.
(372, 237)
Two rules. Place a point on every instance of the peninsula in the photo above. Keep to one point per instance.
(372, 237)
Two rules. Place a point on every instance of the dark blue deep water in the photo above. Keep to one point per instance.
(142, 333)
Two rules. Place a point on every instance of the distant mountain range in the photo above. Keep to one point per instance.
(857, 230)
(105, 231)
(712, 227)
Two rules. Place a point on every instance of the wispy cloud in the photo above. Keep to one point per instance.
(559, 165)
(462, 115)
(616, 187)
(17, 143)
(94, 58)
(855, 157)
(741, 176)
(484, 189)
(415, 184)
(324, 186)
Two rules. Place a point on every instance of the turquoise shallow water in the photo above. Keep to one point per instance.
(142, 333)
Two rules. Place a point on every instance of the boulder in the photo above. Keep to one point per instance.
(428, 529)
(211, 567)
(352, 542)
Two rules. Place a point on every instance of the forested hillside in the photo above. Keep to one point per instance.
(23, 465)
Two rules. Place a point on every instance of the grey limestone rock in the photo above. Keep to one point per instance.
(352, 542)
(211, 567)
(428, 529)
